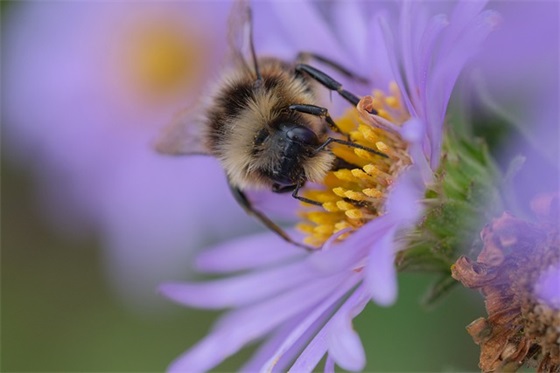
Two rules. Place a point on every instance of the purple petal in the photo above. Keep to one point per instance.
(298, 20)
(447, 70)
(379, 63)
(351, 26)
(381, 277)
(316, 349)
(427, 48)
(239, 327)
(351, 252)
(268, 35)
(239, 290)
(426, 52)
(391, 50)
(312, 354)
(406, 45)
(462, 14)
(287, 358)
(329, 364)
(267, 348)
(277, 206)
(302, 328)
(414, 132)
(290, 302)
(345, 345)
(346, 348)
(403, 203)
(255, 251)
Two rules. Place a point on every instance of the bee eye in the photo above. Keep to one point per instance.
(302, 135)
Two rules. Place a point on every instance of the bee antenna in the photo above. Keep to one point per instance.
(252, 46)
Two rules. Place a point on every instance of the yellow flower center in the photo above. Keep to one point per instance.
(160, 57)
(353, 196)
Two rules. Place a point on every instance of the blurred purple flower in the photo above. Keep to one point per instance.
(87, 87)
(547, 287)
(517, 77)
(301, 305)
(517, 81)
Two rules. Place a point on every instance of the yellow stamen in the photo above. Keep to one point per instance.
(339, 191)
(373, 193)
(344, 206)
(324, 230)
(353, 196)
(330, 206)
(354, 214)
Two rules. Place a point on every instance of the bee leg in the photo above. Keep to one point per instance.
(350, 144)
(242, 199)
(277, 188)
(329, 83)
(317, 111)
(303, 199)
(304, 57)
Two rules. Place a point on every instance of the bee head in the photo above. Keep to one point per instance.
(294, 146)
(286, 153)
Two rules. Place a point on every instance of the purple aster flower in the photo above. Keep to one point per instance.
(88, 85)
(300, 305)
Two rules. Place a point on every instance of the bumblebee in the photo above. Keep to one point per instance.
(262, 122)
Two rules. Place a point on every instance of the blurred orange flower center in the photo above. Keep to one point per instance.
(161, 58)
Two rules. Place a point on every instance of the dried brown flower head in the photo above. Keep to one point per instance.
(517, 272)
